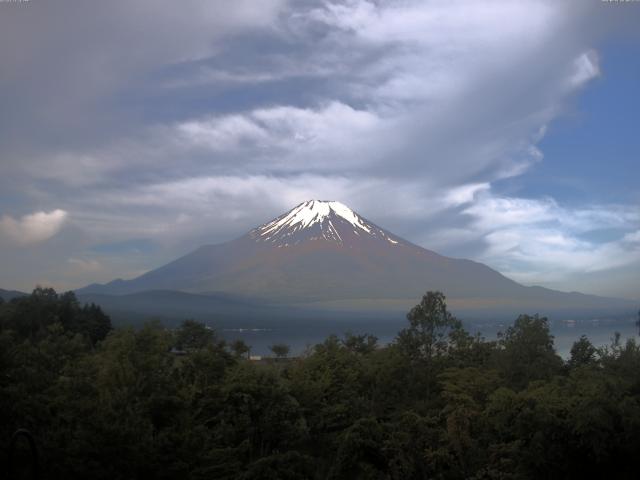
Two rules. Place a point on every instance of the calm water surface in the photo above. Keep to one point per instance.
(303, 335)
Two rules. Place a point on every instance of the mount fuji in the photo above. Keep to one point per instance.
(323, 255)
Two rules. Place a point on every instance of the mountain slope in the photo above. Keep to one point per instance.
(323, 252)
(7, 295)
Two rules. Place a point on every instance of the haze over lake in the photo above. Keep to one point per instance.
(301, 337)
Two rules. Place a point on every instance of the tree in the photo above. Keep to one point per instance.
(239, 347)
(258, 411)
(193, 335)
(360, 451)
(362, 344)
(329, 386)
(465, 392)
(437, 403)
(32, 316)
(430, 328)
(527, 351)
(582, 353)
(93, 323)
(42, 293)
(280, 350)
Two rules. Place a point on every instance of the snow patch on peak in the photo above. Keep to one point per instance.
(315, 220)
(314, 211)
(349, 215)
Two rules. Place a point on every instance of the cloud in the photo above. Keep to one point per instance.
(221, 115)
(291, 138)
(58, 65)
(540, 241)
(586, 67)
(492, 212)
(465, 193)
(33, 228)
(396, 89)
(84, 265)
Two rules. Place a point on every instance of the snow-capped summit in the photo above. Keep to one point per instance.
(319, 220)
(317, 211)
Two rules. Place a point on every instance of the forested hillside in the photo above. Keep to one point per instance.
(107, 403)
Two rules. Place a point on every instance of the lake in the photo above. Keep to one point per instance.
(301, 335)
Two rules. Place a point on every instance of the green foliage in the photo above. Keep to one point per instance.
(193, 335)
(583, 353)
(32, 316)
(240, 348)
(527, 352)
(360, 451)
(436, 403)
(329, 386)
(431, 328)
(363, 344)
(432, 336)
(280, 350)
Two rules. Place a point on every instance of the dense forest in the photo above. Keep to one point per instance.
(153, 402)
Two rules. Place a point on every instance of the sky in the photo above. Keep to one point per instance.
(506, 132)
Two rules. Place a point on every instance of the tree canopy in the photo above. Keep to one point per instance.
(437, 402)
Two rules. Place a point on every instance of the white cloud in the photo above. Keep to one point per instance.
(220, 134)
(332, 137)
(540, 241)
(33, 228)
(464, 194)
(495, 212)
(586, 67)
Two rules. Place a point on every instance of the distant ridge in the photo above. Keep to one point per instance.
(7, 295)
(322, 254)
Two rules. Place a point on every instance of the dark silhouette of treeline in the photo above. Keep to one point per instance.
(147, 403)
